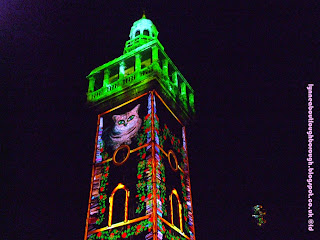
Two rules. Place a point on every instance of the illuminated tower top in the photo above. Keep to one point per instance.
(142, 32)
(143, 66)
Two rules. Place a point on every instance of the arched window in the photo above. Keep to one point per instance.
(146, 32)
(137, 33)
(178, 209)
(111, 198)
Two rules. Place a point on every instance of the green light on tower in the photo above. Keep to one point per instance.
(143, 61)
(143, 104)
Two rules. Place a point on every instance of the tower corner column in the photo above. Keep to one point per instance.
(106, 77)
(165, 67)
(122, 67)
(154, 172)
(137, 64)
(155, 54)
(91, 84)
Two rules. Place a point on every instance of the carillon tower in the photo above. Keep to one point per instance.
(140, 185)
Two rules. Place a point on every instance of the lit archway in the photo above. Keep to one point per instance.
(175, 193)
(120, 186)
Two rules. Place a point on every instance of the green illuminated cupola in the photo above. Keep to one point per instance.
(144, 66)
(142, 32)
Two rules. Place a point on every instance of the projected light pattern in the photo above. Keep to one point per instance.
(140, 184)
(100, 142)
(259, 214)
(157, 152)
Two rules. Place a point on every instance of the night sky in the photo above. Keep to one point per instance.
(249, 65)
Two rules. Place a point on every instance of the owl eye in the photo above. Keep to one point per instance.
(130, 118)
(121, 122)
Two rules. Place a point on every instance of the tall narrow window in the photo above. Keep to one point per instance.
(121, 199)
(176, 209)
(146, 32)
(137, 33)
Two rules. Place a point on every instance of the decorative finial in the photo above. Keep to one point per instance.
(144, 14)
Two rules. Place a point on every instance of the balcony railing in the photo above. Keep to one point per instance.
(177, 91)
(137, 42)
(120, 84)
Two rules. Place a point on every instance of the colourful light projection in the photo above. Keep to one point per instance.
(120, 186)
(140, 186)
(259, 214)
(138, 153)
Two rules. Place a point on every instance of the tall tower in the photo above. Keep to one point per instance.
(140, 185)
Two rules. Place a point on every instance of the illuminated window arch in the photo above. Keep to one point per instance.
(175, 193)
(120, 186)
(146, 32)
(137, 33)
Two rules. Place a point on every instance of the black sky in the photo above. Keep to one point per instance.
(249, 65)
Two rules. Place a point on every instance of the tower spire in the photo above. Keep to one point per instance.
(142, 32)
